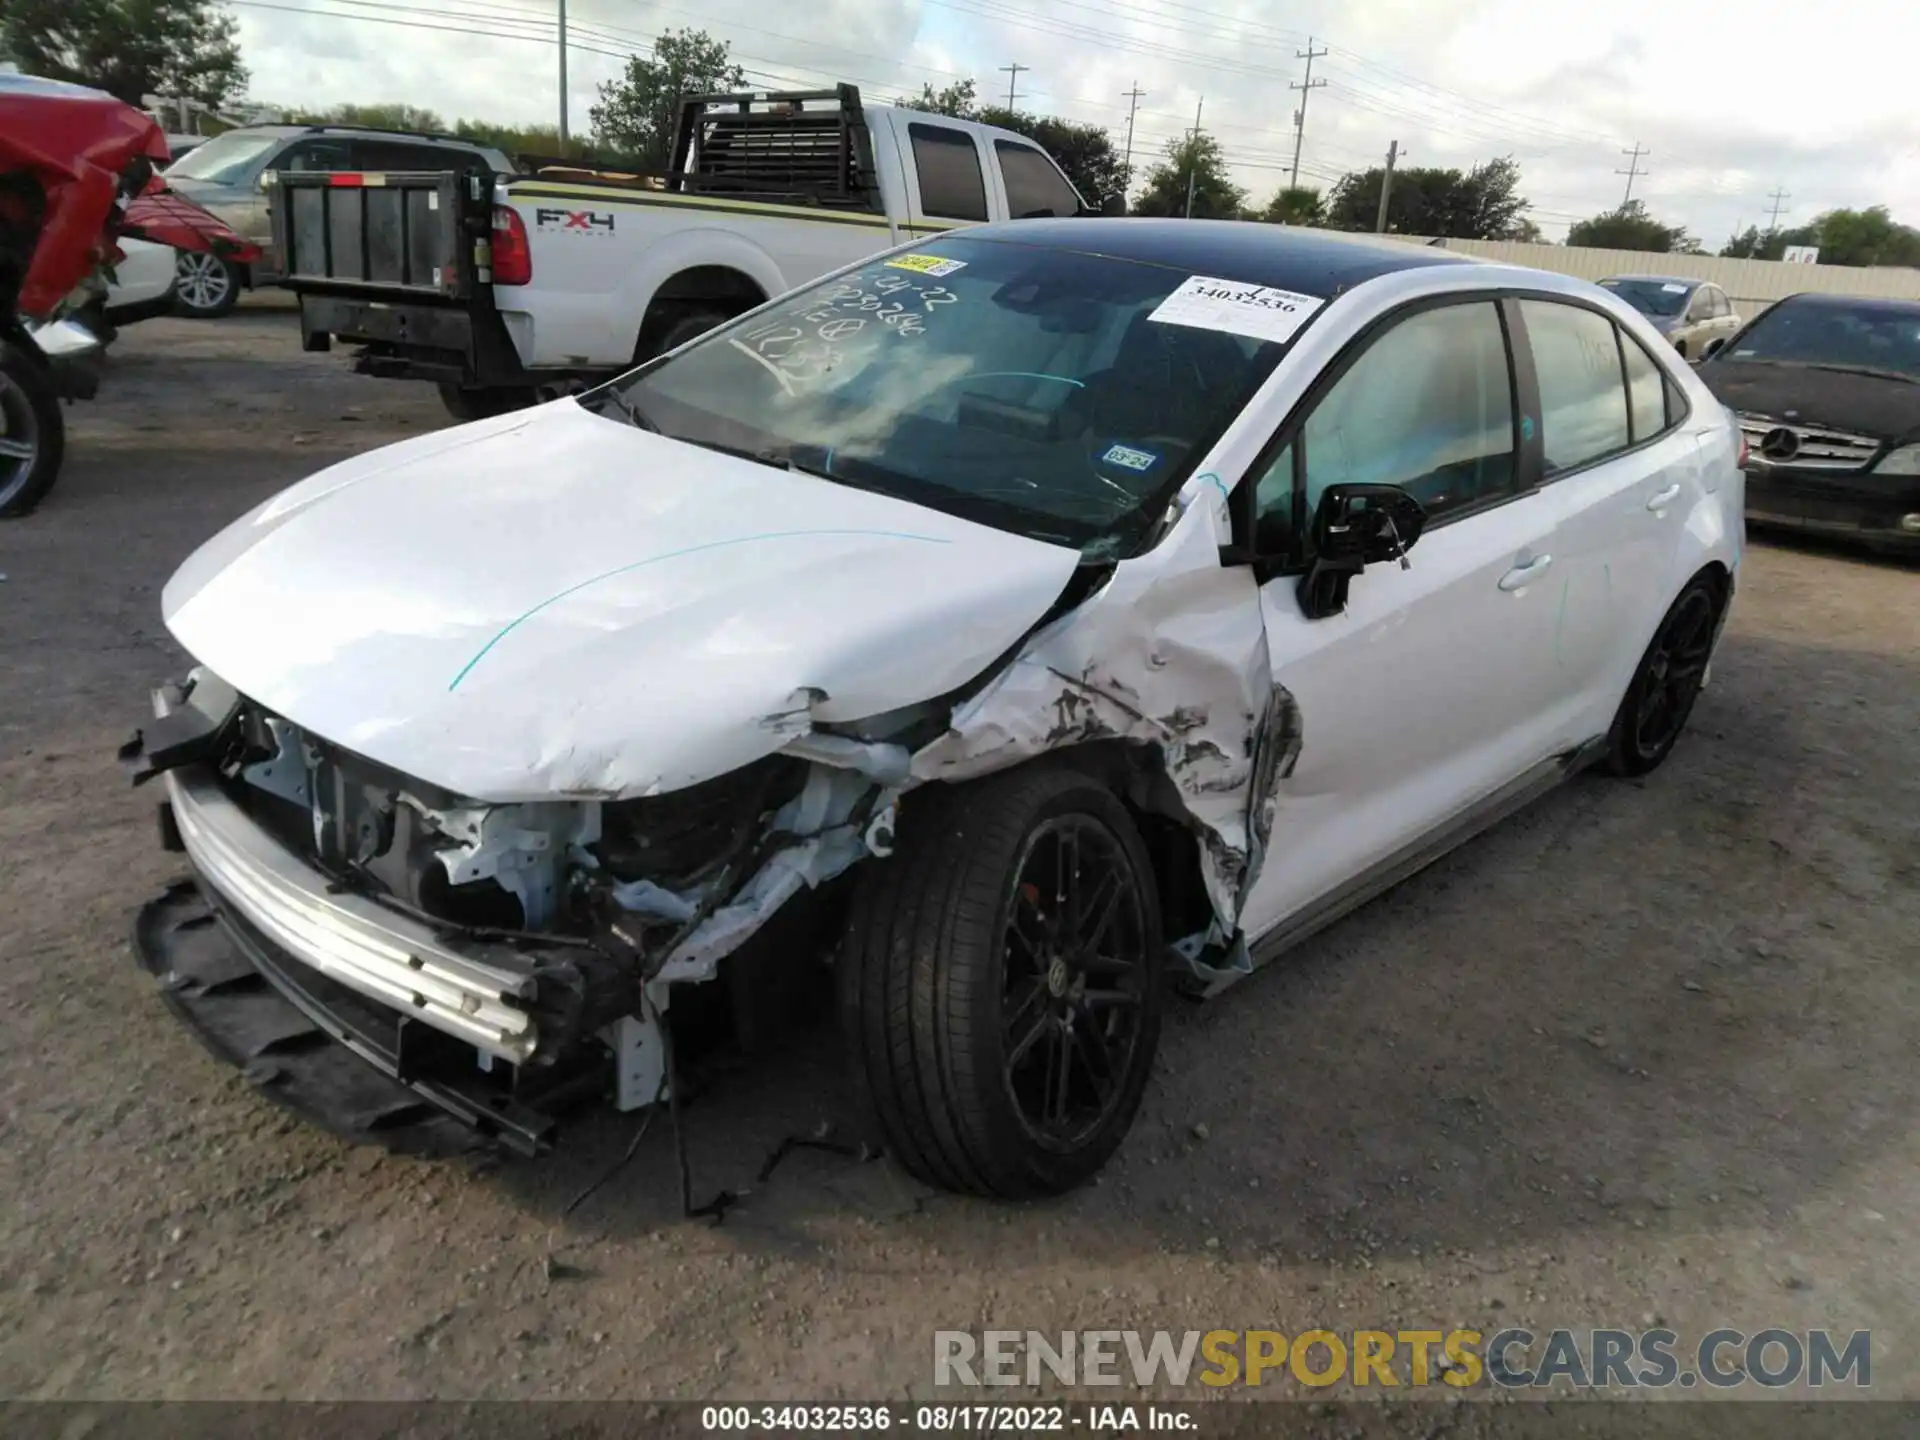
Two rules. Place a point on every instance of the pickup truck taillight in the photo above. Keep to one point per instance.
(512, 256)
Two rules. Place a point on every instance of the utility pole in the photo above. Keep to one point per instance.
(1133, 104)
(1193, 158)
(1386, 188)
(1632, 171)
(1013, 76)
(1779, 198)
(563, 78)
(1300, 116)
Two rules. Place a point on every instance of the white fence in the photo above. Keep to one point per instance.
(1752, 285)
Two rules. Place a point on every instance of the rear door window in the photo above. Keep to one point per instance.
(952, 186)
(1583, 393)
(1034, 187)
(319, 153)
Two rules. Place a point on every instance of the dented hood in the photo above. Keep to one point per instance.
(551, 602)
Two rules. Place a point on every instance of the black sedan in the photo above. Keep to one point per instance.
(1827, 390)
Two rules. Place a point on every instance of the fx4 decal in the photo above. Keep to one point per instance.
(587, 222)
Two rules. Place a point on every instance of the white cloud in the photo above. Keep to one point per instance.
(1730, 100)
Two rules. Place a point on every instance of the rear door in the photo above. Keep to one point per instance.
(1618, 470)
(1428, 693)
(946, 176)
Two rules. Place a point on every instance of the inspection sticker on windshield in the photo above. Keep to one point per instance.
(1127, 458)
(1259, 311)
(1674, 289)
(933, 265)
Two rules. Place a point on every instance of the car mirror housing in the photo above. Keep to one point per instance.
(1355, 526)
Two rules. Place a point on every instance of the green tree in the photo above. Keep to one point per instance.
(1191, 165)
(638, 113)
(1483, 203)
(395, 116)
(956, 100)
(1296, 205)
(1630, 227)
(129, 48)
(1863, 237)
(517, 140)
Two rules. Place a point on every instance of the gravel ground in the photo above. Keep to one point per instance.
(1646, 1050)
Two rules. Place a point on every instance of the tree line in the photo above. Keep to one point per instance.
(135, 48)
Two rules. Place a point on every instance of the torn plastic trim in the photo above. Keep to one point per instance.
(1170, 652)
(842, 815)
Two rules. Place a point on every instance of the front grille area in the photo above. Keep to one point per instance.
(1807, 447)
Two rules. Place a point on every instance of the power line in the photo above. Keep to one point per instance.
(1632, 170)
(1306, 88)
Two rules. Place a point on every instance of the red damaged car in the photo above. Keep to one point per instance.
(78, 171)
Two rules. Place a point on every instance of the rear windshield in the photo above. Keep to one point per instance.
(1652, 297)
(223, 159)
(1869, 337)
(1024, 386)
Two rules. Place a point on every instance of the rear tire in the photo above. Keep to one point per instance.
(689, 325)
(205, 287)
(1655, 708)
(1001, 985)
(465, 403)
(33, 433)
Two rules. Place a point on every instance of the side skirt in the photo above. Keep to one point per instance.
(1416, 856)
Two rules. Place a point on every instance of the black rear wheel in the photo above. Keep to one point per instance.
(32, 433)
(1667, 684)
(1000, 987)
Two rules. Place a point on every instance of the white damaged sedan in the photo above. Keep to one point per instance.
(1021, 623)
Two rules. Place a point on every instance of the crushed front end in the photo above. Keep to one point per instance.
(495, 963)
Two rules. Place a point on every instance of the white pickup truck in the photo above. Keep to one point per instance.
(504, 289)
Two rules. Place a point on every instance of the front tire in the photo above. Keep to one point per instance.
(32, 433)
(1001, 984)
(1665, 687)
(205, 287)
(468, 403)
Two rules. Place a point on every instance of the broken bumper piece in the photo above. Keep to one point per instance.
(387, 957)
(320, 1049)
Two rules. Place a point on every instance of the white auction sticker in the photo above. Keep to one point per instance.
(1674, 289)
(1259, 311)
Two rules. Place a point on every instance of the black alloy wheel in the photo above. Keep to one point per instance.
(1664, 689)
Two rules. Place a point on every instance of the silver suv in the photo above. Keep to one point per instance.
(228, 175)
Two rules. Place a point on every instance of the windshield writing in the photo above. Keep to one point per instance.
(1025, 387)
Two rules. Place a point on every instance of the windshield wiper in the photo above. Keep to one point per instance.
(632, 413)
(1874, 371)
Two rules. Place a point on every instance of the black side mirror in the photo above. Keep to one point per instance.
(1355, 526)
(1114, 204)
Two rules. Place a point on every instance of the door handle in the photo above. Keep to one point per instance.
(1525, 574)
(1665, 498)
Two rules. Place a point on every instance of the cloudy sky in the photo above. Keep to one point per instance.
(1730, 99)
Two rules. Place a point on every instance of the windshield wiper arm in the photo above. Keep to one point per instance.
(631, 412)
(1872, 370)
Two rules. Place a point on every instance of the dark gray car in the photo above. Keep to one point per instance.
(1692, 314)
(228, 175)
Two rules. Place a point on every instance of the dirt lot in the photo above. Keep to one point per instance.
(1645, 1051)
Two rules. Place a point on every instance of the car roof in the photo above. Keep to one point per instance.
(429, 137)
(1877, 304)
(1311, 262)
(1662, 279)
